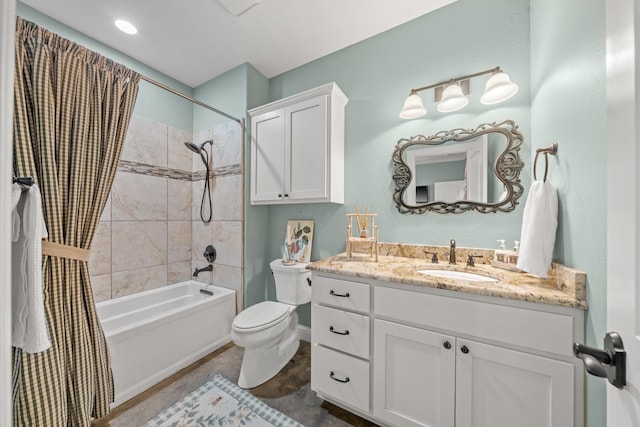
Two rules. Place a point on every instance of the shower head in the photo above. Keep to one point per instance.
(193, 147)
(198, 149)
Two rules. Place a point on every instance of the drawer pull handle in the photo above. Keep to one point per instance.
(346, 332)
(339, 295)
(464, 349)
(346, 380)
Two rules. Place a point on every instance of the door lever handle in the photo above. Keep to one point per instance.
(609, 363)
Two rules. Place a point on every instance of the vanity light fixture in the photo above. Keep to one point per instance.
(453, 99)
(451, 95)
(126, 26)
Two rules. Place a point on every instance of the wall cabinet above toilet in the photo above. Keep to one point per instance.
(297, 148)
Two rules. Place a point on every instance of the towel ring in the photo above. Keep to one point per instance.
(552, 149)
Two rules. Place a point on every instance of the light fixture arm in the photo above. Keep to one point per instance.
(456, 80)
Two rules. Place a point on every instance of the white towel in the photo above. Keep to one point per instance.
(29, 324)
(539, 224)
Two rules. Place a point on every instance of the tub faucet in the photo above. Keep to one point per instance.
(452, 252)
(200, 270)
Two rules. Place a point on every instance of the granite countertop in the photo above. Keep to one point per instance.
(564, 286)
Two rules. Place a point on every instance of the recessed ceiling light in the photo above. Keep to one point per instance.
(126, 26)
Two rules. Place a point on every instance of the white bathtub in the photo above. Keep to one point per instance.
(153, 334)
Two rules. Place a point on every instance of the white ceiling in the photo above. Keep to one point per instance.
(194, 41)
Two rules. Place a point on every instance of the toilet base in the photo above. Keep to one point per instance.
(260, 364)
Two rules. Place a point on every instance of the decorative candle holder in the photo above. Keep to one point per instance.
(364, 237)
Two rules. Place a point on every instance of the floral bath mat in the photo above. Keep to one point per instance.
(220, 403)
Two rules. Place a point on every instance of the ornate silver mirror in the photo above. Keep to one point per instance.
(457, 176)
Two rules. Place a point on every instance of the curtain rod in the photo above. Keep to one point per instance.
(195, 101)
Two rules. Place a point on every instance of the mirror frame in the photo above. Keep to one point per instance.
(507, 168)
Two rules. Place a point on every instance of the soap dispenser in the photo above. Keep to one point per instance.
(500, 255)
(506, 259)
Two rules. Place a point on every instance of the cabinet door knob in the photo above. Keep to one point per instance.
(339, 295)
(346, 331)
(280, 196)
(286, 195)
(346, 380)
(447, 345)
(464, 349)
(309, 281)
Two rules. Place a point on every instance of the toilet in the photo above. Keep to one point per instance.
(268, 331)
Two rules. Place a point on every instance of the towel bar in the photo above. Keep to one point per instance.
(551, 149)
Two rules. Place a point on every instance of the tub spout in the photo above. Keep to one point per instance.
(200, 270)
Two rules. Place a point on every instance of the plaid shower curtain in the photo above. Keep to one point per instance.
(72, 111)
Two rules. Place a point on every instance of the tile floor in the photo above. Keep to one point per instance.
(289, 392)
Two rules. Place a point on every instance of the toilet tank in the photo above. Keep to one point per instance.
(292, 286)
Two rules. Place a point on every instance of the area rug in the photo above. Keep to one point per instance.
(220, 403)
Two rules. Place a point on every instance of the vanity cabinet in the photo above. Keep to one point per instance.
(297, 148)
(413, 376)
(443, 359)
(340, 335)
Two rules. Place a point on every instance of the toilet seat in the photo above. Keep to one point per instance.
(261, 316)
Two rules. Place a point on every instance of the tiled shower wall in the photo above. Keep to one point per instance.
(225, 231)
(150, 233)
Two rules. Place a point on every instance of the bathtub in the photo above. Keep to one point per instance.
(153, 334)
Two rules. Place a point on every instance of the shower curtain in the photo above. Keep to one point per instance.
(72, 110)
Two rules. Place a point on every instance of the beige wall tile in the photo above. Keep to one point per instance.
(101, 286)
(100, 259)
(227, 145)
(180, 200)
(146, 142)
(230, 278)
(179, 272)
(138, 197)
(106, 213)
(179, 245)
(179, 156)
(202, 236)
(138, 280)
(227, 239)
(138, 244)
(227, 197)
(197, 187)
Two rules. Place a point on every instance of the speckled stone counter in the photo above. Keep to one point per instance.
(400, 264)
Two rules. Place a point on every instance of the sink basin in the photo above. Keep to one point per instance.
(459, 275)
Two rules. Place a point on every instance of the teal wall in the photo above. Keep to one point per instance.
(376, 75)
(256, 224)
(227, 92)
(568, 105)
(152, 102)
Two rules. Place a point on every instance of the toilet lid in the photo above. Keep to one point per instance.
(261, 315)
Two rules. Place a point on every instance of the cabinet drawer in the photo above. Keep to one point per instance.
(537, 330)
(340, 376)
(341, 293)
(344, 331)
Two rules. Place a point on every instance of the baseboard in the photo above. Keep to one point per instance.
(304, 332)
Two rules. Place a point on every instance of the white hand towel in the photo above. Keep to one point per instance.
(539, 224)
(29, 324)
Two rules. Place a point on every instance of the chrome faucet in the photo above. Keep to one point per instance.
(200, 270)
(452, 252)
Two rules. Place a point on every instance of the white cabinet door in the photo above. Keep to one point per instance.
(499, 387)
(267, 156)
(297, 148)
(413, 376)
(306, 156)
